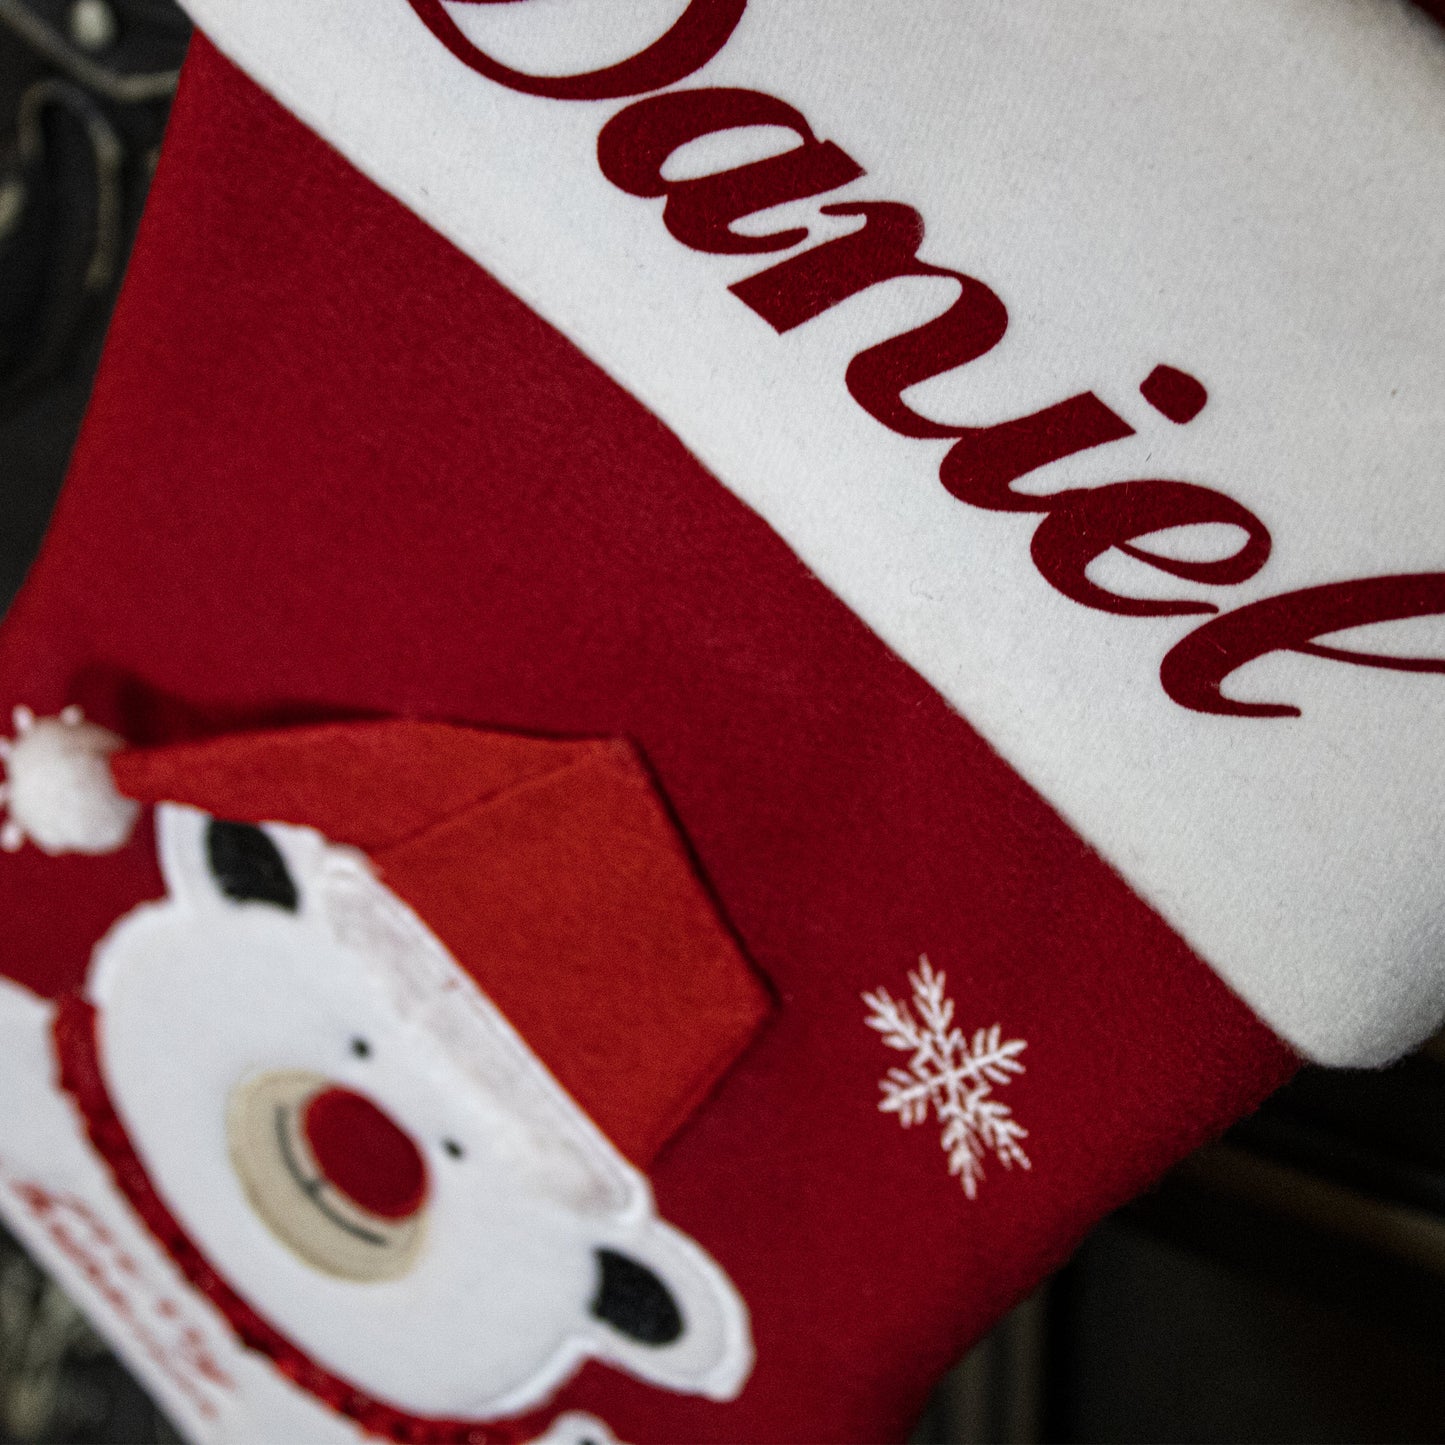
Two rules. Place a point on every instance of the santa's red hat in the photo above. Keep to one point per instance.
(549, 869)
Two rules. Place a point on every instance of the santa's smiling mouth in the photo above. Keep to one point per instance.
(329, 1174)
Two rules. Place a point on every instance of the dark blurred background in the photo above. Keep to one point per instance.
(1286, 1284)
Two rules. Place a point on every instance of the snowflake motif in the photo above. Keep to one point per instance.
(953, 1074)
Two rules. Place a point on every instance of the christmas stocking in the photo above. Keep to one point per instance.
(710, 672)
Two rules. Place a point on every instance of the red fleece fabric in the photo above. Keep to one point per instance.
(333, 470)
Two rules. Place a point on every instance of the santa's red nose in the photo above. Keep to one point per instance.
(364, 1154)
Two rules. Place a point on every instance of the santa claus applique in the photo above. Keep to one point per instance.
(347, 1128)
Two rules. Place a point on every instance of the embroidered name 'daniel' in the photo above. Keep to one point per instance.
(1077, 525)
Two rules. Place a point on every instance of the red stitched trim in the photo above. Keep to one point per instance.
(82, 1077)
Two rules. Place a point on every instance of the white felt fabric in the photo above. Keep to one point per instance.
(1246, 189)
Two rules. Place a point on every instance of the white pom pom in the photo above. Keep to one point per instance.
(59, 791)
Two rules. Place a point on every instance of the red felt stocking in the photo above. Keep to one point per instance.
(705, 679)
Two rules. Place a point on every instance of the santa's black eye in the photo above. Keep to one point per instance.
(634, 1301)
(361, 1048)
(453, 1148)
(248, 866)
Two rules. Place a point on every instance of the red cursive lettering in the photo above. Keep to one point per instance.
(636, 143)
(698, 34)
(1085, 523)
(1194, 669)
(1079, 525)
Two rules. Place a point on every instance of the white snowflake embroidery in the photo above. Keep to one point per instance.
(954, 1074)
